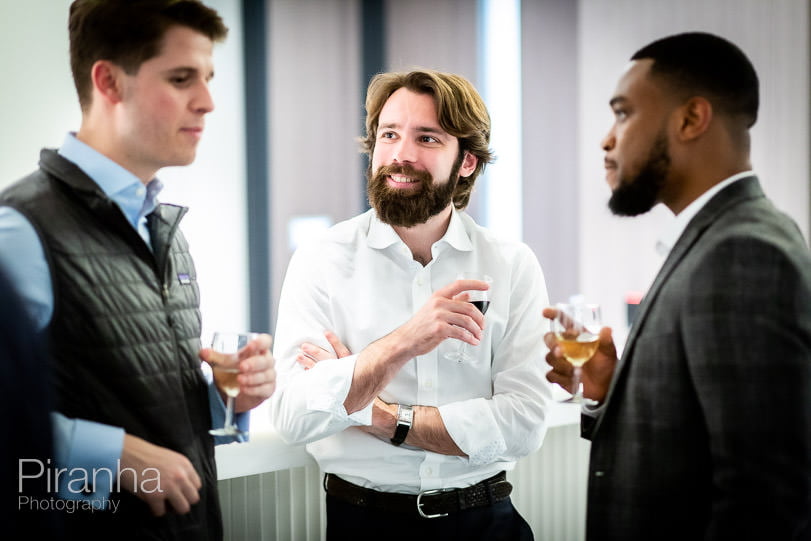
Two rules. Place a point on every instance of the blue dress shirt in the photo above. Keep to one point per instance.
(80, 443)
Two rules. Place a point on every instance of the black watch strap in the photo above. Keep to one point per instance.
(405, 416)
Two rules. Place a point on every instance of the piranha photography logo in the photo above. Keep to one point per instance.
(42, 486)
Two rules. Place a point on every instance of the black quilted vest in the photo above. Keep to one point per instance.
(124, 337)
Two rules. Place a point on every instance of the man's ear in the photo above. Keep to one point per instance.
(469, 163)
(695, 117)
(107, 80)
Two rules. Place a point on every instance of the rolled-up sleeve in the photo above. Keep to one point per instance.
(309, 404)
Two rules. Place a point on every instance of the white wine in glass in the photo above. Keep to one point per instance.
(577, 330)
(225, 375)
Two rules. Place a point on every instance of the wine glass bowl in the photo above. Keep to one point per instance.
(577, 330)
(478, 298)
(225, 372)
(225, 377)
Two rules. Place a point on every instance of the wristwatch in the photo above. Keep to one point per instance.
(405, 416)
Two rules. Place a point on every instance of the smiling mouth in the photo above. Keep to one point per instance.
(402, 180)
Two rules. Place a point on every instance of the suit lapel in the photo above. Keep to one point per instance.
(744, 189)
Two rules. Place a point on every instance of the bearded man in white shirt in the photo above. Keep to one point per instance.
(413, 443)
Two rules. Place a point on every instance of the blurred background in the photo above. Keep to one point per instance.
(279, 158)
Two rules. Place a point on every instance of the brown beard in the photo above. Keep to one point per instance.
(407, 208)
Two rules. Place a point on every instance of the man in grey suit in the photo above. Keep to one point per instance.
(702, 429)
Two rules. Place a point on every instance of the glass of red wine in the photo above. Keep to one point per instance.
(481, 300)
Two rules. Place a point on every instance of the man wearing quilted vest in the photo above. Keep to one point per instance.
(106, 274)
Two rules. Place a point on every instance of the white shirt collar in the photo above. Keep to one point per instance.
(667, 240)
(382, 235)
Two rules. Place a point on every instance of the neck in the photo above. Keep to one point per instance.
(106, 142)
(421, 237)
(690, 191)
(699, 167)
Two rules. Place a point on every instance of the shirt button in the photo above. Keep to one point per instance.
(428, 384)
(429, 471)
(419, 281)
(140, 191)
(599, 474)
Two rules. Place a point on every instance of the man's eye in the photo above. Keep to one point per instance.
(387, 135)
(620, 114)
(428, 139)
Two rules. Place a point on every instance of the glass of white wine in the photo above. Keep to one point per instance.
(577, 329)
(226, 372)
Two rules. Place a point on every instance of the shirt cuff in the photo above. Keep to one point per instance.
(473, 428)
(89, 452)
(329, 386)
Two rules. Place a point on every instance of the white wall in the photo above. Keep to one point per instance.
(214, 187)
(316, 114)
(550, 159)
(38, 106)
(37, 99)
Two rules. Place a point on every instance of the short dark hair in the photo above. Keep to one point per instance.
(129, 32)
(698, 63)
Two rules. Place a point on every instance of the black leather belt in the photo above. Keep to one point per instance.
(428, 503)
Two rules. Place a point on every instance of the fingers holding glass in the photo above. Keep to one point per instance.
(577, 331)
(226, 372)
(481, 300)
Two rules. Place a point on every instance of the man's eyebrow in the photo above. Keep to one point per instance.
(188, 71)
(421, 129)
(617, 100)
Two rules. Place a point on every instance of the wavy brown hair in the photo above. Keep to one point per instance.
(460, 109)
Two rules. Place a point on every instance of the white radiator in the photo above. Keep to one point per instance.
(288, 505)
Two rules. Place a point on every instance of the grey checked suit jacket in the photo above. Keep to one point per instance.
(706, 429)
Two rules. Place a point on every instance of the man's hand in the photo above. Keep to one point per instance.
(447, 314)
(596, 374)
(158, 476)
(257, 373)
(309, 354)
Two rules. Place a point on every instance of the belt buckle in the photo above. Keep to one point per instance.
(432, 492)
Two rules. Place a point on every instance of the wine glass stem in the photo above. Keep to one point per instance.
(576, 381)
(229, 412)
(461, 352)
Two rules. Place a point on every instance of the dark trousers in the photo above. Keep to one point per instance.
(498, 522)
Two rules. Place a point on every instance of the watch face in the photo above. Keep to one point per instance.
(405, 415)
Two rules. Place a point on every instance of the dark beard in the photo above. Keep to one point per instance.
(408, 208)
(638, 195)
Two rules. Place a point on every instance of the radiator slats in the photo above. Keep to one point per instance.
(288, 505)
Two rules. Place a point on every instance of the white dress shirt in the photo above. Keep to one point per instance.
(360, 281)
